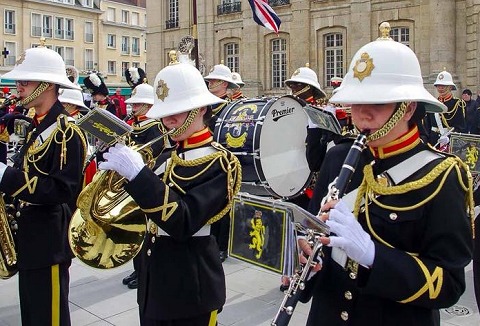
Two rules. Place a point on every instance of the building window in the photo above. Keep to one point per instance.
(135, 46)
(136, 64)
(11, 56)
(401, 35)
(111, 41)
(125, 45)
(232, 56)
(112, 67)
(125, 66)
(172, 21)
(89, 32)
(69, 56)
(36, 25)
(110, 14)
(9, 22)
(47, 27)
(279, 62)
(125, 17)
(135, 19)
(69, 29)
(229, 6)
(59, 31)
(88, 3)
(275, 3)
(333, 56)
(88, 59)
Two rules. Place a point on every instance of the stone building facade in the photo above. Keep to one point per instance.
(324, 33)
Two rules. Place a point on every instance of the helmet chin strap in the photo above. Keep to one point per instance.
(42, 87)
(390, 124)
(142, 110)
(187, 123)
(303, 90)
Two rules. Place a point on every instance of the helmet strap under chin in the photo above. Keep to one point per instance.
(391, 122)
(303, 90)
(187, 123)
(42, 87)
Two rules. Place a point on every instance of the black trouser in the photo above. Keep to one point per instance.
(44, 295)
(208, 319)
(476, 261)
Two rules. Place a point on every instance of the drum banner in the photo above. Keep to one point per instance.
(323, 119)
(262, 234)
(466, 147)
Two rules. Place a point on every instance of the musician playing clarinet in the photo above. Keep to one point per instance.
(401, 235)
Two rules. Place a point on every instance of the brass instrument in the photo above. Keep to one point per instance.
(314, 229)
(8, 253)
(108, 227)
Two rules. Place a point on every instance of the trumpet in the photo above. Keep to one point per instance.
(314, 230)
(11, 100)
(108, 227)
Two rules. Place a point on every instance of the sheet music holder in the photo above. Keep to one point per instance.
(323, 119)
(104, 125)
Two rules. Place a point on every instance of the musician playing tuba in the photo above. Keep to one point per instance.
(181, 279)
(401, 242)
(45, 179)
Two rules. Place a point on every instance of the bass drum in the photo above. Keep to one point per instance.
(268, 137)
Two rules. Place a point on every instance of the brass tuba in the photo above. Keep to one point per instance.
(8, 253)
(108, 227)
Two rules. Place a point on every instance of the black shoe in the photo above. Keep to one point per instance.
(284, 287)
(129, 278)
(223, 256)
(133, 284)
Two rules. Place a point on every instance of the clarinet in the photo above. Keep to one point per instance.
(336, 191)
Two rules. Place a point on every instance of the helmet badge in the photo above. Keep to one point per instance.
(441, 76)
(363, 67)
(162, 90)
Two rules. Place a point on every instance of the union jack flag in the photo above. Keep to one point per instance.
(264, 15)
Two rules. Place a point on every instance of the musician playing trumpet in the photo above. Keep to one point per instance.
(401, 240)
(181, 279)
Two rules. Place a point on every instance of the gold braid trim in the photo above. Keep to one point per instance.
(188, 121)
(42, 87)
(370, 188)
(61, 135)
(460, 103)
(390, 124)
(229, 163)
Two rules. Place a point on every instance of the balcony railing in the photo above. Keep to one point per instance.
(10, 60)
(47, 32)
(171, 23)
(10, 28)
(69, 35)
(274, 3)
(59, 33)
(228, 8)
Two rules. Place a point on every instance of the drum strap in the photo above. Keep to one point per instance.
(399, 172)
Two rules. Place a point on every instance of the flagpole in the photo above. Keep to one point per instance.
(195, 34)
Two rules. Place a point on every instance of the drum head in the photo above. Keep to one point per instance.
(283, 161)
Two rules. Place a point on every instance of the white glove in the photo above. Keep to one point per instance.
(350, 235)
(443, 140)
(311, 124)
(124, 160)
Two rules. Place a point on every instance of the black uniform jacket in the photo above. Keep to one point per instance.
(181, 275)
(399, 288)
(49, 177)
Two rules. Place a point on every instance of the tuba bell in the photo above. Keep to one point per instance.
(108, 227)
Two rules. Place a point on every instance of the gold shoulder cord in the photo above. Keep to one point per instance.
(460, 103)
(61, 135)
(229, 163)
(370, 188)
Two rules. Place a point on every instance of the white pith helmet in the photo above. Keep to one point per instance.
(445, 78)
(237, 79)
(143, 93)
(222, 72)
(307, 76)
(179, 88)
(385, 71)
(72, 96)
(41, 64)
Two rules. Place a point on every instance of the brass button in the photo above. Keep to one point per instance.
(153, 239)
(17, 214)
(170, 184)
(149, 252)
(348, 295)
(344, 315)
(353, 275)
(362, 209)
(393, 216)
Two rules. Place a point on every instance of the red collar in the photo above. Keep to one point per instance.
(237, 95)
(399, 145)
(445, 98)
(198, 139)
